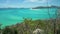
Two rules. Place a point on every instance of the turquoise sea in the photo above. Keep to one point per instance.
(9, 16)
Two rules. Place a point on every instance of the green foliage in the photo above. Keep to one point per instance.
(7, 30)
(28, 26)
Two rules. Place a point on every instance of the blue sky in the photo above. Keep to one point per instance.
(27, 3)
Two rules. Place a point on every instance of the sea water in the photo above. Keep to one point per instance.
(9, 16)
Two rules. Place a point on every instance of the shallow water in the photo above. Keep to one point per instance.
(13, 16)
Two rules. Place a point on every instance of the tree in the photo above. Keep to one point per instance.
(7, 30)
(0, 29)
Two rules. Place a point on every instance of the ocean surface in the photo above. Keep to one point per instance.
(9, 16)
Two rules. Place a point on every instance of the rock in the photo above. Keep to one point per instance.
(38, 31)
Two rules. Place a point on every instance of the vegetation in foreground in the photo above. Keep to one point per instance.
(29, 25)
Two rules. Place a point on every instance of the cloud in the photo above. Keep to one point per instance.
(33, 0)
(22, 3)
(39, 1)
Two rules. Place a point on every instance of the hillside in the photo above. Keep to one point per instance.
(29, 25)
(45, 7)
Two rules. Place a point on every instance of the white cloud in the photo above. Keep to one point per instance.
(33, 0)
(39, 1)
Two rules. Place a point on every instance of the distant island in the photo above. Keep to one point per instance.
(38, 7)
(45, 7)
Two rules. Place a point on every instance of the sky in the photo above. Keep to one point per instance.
(27, 3)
